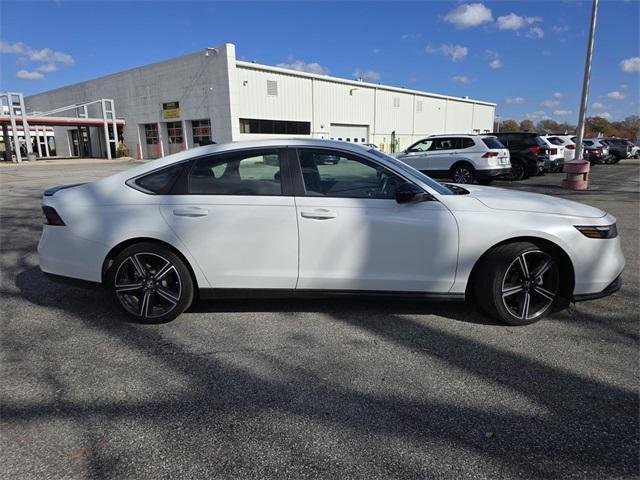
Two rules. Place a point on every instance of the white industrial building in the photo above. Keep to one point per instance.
(211, 96)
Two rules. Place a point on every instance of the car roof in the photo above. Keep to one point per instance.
(457, 135)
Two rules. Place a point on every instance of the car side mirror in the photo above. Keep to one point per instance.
(407, 192)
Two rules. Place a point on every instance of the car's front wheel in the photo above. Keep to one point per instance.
(150, 283)
(518, 283)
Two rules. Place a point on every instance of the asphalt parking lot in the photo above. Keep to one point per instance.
(312, 389)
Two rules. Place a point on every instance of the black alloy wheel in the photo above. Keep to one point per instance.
(150, 283)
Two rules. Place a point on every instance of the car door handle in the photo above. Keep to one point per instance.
(319, 214)
(190, 212)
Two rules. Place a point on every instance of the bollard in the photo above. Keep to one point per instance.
(577, 175)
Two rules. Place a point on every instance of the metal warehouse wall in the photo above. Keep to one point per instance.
(200, 82)
(324, 101)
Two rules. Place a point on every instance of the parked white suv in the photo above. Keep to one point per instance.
(555, 151)
(566, 142)
(462, 158)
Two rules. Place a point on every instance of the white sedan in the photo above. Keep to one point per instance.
(273, 218)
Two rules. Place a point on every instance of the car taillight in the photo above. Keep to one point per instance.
(553, 151)
(570, 147)
(535, 150)
(490, 154)
(51, 217)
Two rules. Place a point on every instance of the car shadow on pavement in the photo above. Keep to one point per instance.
(231, 409)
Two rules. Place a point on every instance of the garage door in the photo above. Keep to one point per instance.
(350, 133)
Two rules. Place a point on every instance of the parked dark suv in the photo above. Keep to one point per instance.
(528, 153)
(618, 147)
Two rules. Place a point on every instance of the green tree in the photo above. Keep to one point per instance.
(527, 125)
(547, 126)
(509, 126)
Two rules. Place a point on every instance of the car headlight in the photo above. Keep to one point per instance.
(593, 231)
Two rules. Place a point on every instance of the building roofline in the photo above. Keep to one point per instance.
(328, 78)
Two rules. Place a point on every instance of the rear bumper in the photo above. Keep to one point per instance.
(612, 288)
(493, 173)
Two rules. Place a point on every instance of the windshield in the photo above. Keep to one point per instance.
(438, 187)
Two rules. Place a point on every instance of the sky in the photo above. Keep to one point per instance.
(526, 56)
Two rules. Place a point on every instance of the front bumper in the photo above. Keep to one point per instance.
(612, 288)
(493, 173)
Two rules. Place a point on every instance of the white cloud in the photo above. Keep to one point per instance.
(27, 75)
(606, 115)
(562, 113)
(515, 22)
(630, 64)
(47, 68)
(616, 95)
(535, 32)
(469, 15)
(369, 75)
(457, 53)
(301, 66)
(515, 100)
(47, 58)
(624, 86)
(550, 103)
(597, 106)
(462, 79)
(410, 36)
(558, 94)
(376, 51)
(495, 62)
(560, 28)
(17, 48)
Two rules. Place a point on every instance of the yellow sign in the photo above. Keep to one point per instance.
(171, 110)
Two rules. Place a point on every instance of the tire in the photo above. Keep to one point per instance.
(150, 283)
(503, 291)
(485, 181)
(518, 170)
(462, 173)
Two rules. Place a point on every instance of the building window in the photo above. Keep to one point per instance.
(272, 88)
(201, 132)
(274, 127)
(151, 133)
(174, 131)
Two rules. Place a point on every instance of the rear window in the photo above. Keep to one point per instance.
(555, 141)
(492, 142)
(160, 181)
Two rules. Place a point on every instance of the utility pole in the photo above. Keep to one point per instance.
(585, 82)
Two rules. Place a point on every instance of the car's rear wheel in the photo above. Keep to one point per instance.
(150, 283)
(517, 170)
(518, 283)
(462, 173)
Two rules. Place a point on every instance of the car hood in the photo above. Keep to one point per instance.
(513, 200)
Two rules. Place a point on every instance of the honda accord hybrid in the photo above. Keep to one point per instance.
(275, 218)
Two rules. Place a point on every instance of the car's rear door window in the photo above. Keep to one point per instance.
(466, 142)
(244, 173)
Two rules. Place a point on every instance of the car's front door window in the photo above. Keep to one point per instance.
(345, 176)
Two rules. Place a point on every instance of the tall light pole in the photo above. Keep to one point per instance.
(585, 82)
